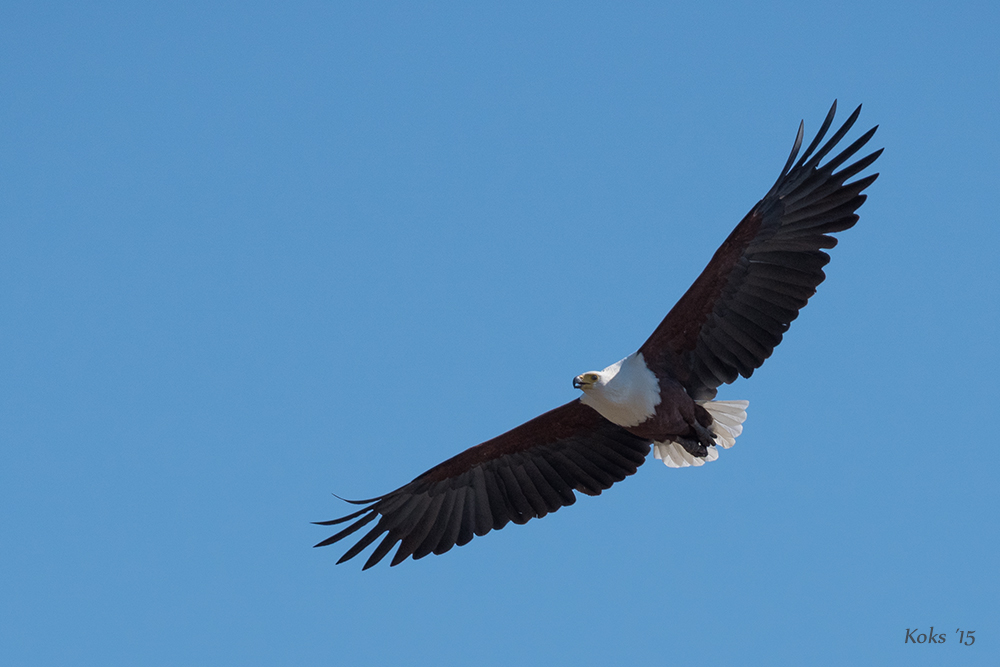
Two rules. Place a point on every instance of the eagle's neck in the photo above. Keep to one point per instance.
(627, 393)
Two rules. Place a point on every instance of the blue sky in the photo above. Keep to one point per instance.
(252, 254)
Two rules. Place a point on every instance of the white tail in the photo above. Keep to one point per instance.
(727, 424)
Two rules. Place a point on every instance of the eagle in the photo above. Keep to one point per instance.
(662, 396)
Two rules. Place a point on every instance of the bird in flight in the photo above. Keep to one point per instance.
(659, 397)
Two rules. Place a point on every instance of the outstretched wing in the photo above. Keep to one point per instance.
(523, 474)
(736, 312)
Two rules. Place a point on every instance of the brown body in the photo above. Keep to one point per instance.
(677, 418)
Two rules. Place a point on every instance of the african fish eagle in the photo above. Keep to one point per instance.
(662, 395)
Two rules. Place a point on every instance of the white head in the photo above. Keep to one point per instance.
(626, 392)
(589, 380)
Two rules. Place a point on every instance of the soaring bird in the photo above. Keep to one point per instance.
(660, 396)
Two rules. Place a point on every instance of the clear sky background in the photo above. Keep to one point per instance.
(255, 253)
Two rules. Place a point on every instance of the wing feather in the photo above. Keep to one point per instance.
(449, 535)
(516, 500)
(534, 495)
(439, 526)
(468, 528)
(484, 515)
(582, 481)
(583, 458)
(544, 487)
(425, 522)
(558, 482)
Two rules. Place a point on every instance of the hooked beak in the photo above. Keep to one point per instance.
(578, 382)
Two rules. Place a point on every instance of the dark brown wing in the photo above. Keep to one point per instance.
(523, 474)
(736, 312)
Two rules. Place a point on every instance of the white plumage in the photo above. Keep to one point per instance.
(727, 423)
(626, 393)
